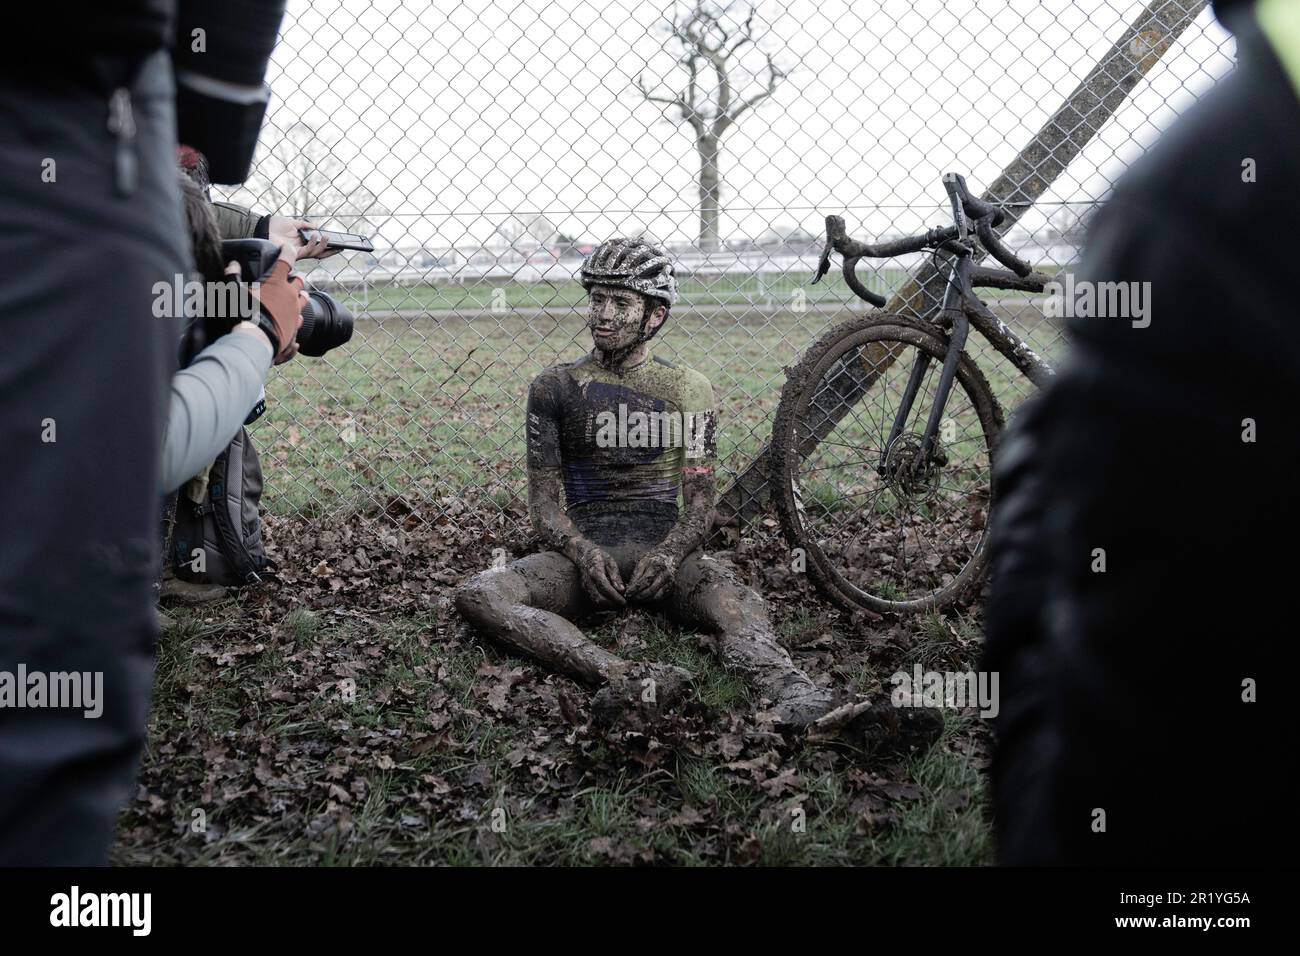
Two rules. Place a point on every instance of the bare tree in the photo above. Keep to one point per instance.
(1068, 223)
(635, 229)
(711, 39)
(300, 175)
(511, 230)
(542, 229)
(785, 234)
(524, 234)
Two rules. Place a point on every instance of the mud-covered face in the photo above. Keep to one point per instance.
(614, 317)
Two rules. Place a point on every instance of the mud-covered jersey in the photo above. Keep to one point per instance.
(621, 440)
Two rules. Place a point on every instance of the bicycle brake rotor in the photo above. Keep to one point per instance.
(910, 478)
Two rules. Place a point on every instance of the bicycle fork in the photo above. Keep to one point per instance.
(954, 312)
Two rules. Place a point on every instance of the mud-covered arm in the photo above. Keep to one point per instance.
(545, 475)
(655, 572)
(546, 510)
(552, 525)
(699, 491)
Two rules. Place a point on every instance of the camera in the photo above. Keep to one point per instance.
(325, 323)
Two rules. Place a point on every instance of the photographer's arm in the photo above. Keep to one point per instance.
(210, 400)
(213, 395)
(237, 222)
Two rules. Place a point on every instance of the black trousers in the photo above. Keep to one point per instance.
(84, 369)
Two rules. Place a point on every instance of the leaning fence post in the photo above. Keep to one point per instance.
(1022, 182)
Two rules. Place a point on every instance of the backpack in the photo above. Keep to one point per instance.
(217, 535)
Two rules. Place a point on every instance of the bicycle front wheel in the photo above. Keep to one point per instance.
(882, 524)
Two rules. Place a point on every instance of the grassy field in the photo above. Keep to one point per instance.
(342, 713)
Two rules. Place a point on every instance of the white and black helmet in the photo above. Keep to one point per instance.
(631, 264)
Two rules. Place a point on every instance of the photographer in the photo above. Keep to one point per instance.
(233, 221)
(212, 530)
(90, 220)
(212, 395)
(1133, 612)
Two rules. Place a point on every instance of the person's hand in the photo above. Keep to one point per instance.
(282, 229)
(652, 576)
(282, 297)
(246, 327)
(600, 577)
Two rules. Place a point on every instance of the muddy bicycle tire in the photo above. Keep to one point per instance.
(793, 445)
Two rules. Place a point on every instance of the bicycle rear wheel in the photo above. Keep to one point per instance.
(881, 528)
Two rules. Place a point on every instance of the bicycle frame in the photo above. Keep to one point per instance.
(962, 309)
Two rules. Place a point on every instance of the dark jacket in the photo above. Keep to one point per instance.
(1122, 689)
(239, 222)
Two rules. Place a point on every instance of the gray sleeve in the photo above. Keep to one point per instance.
(209, 402)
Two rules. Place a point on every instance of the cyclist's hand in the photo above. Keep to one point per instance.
(600, 577)
(653, 575)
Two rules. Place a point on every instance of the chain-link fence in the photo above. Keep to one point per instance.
(487, 145)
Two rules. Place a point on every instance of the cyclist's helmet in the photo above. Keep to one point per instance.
(631, 264)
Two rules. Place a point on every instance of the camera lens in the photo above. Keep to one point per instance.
(325, 324)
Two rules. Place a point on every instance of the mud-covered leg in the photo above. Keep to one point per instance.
(527, 606)
(708, 596)
(705, 595)
(524, 605)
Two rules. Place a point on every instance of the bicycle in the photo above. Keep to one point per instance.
(908, 534)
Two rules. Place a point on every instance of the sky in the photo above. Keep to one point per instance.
(461, 115)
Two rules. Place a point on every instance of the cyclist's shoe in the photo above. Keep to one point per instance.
(800, 706)
(825, 717)
(646, 690)
(880, 726)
